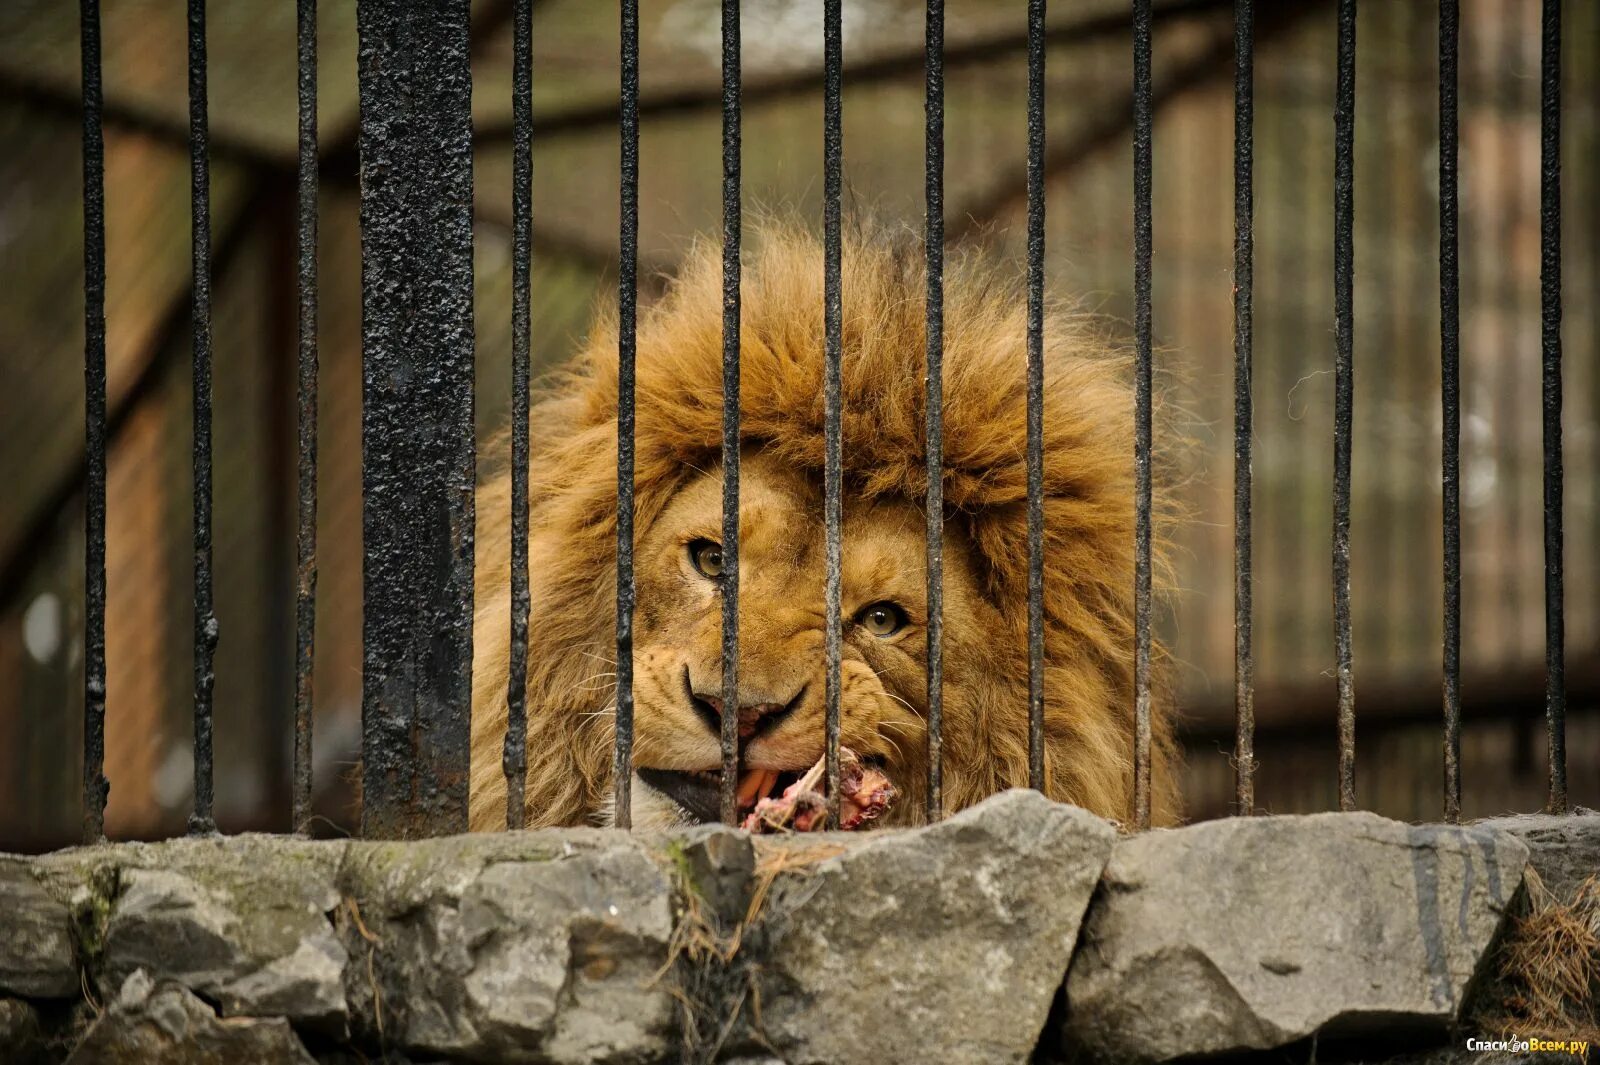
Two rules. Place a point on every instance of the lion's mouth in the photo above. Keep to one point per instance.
(699, 792)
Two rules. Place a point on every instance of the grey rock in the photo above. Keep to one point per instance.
(243, 922)
(164, 1024)
(166, 923)
(21, 1037)
(719, 865)
(1251, 933)
(307, 985)
(36, 958)
(1564, 849)
(507, 950)
(945, 944)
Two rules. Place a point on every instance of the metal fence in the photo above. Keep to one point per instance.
(417, 424)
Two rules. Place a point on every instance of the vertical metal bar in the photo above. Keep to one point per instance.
(1555, 697)
(417, 414)
(514, 756)
(1244, 709)
(627, 308)
(205, 621)
(1450, 391)
(730, 410)
(1035, 456)
(305, 604)
(833, 351)
(1344, 123)
(933, 113)
(1142, 240)
(94, 394)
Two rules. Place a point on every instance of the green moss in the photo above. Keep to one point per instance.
(684, 878)
(91, 913)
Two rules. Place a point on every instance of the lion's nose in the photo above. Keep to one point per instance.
(750, 717)
(753, 717)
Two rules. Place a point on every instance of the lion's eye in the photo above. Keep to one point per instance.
(881, 619)
(706, 557)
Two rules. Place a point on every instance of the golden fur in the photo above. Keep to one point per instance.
(1089, 543)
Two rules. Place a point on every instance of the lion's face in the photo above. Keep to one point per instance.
(1088, 561)
(678, 641)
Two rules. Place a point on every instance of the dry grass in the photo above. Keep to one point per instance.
(712, 982)
(1548, 967)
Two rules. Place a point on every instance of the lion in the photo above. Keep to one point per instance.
(1088, 562)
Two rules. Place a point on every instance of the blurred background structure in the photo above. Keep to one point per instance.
(1396, 552)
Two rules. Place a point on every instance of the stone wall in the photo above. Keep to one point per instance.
(1018, 930)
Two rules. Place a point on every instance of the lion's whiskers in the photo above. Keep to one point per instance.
(898, 752)
(585, 684)
(589, 717)
(899, 700)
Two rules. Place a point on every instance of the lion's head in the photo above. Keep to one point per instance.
(1088, 600)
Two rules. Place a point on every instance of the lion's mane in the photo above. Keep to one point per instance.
(1088, 506)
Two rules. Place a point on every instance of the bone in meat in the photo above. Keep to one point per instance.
(865, 795)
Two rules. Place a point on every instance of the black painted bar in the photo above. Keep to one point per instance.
(933, 114)
(627, 342)
(1450, 391)
(417, 416)
(305, 599)
(833, 351)
(1143, 117)
(514, 756)
(1344, 121)
(205, 621)
(94, 394)
(730, 410)
(1035, 413)
(1244, 709)
(1555, 698)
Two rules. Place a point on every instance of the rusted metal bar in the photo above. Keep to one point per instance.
(933, 114)
(730, 410)
(1344, 121)
(94, 392)
(627, 341)
(1344, 216)
(1555, 699)
(1035, 392)
(305, 600)
(514, 756)
(417, 415)
(1450, 391)
(1143, 120)
(205, 620)
(1244, 711)
(833, 352)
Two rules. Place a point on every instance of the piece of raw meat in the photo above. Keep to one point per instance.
(865, 794)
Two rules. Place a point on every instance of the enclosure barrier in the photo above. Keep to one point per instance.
(418, 451)
(305, 597)
(205, 618)
(1244, 707)
(1450, 395)
(1344, 214)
